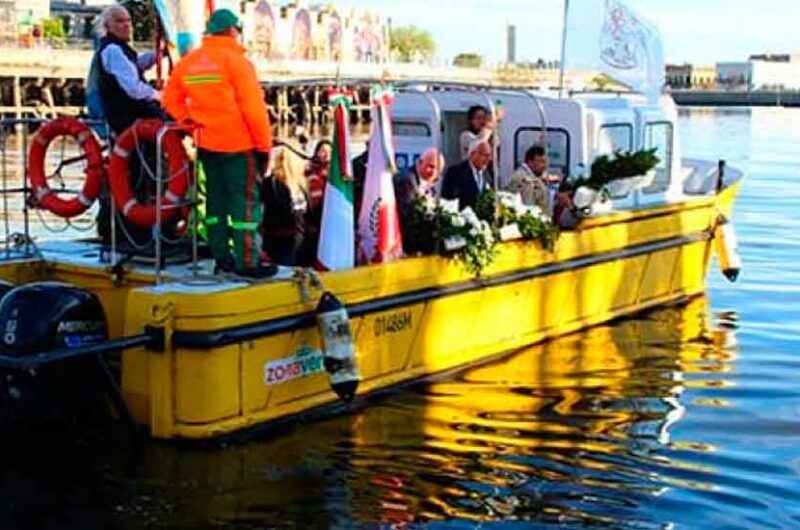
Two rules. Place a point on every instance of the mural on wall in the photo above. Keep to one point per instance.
(264, 29)
(334, 27)
(8, 21)
(368, 37)
(288, 31)
(301, 36)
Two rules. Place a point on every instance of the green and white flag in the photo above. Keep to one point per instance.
(336, 248)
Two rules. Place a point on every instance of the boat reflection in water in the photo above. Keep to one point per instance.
(576, 429)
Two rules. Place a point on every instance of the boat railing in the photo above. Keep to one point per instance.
(15, 141)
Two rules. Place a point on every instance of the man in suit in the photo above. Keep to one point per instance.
(466, 180)
(419, 180)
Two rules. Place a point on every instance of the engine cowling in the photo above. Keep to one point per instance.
(44, 316)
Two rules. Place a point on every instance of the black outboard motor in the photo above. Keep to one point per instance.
(43, 317)
(5, 287)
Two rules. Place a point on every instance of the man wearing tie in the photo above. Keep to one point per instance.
(465, 181)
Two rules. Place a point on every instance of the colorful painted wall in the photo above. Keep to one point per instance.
(295, 32)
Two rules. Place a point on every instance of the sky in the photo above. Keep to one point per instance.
(695, 31)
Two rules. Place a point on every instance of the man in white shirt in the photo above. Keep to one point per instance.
(117, 92)
(531, 180)
(117, 75)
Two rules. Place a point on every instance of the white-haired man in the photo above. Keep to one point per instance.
(117, 92)
(421, 179)
(116, 76)
(466, 180)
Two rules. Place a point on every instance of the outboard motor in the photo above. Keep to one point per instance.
(41, 318)
(5, 287)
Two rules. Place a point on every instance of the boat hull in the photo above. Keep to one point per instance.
(241, 356)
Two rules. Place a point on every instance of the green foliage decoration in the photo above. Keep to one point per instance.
(624, 164)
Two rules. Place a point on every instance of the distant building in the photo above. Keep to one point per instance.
(776, 57)
(759, 75)
(511, 44)
(79, 17)
(36, 9)
(696, 76)
(21, 20)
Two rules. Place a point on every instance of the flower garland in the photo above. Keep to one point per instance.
(472, 235)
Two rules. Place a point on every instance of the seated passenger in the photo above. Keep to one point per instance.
(419, 180)
(530, 180)
(466, 180)
(285, 197)
(317, 173)
(478, 128)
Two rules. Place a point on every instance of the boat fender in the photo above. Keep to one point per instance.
(727, 249)
(95, 173)
(339, 352)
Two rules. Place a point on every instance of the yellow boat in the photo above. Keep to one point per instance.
(204, 357)
(539, 402)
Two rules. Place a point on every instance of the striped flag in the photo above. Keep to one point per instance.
(378, 226)
(336, 248)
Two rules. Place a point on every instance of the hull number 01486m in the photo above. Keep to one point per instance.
(392, 323)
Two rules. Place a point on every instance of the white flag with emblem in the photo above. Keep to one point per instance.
(610, 37)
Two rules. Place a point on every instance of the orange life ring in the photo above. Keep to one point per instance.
(43, 195)
(118, 172)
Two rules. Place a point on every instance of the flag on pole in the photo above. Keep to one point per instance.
(336, 248)
(379, 237)
(610, 37)
(183, 22)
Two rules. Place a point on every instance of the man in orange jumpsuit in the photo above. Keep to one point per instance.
(216, 87)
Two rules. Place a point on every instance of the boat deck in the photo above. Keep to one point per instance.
(182, 276)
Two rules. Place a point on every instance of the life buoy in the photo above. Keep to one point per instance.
(727, 249)
(42, 193)
(146, 131)
(339, 354)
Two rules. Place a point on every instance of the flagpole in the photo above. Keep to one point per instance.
(563, 50)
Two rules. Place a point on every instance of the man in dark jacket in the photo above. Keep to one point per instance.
(117, 72)
(466, 180)
(117, 92)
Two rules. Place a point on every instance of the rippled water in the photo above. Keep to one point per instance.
(687, 417)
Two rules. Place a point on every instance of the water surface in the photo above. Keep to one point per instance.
(686, 417)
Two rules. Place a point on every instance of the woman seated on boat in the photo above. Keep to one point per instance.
(478, 128)
(286, 200)
(316, 178)
(317, 173)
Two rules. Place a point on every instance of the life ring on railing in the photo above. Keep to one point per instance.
(44, 196)
(146, 131)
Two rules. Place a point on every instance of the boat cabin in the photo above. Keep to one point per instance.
(574, 130)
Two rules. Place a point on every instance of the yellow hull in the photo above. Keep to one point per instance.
(410, 319)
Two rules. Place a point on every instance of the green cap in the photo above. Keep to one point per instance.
(221, 20)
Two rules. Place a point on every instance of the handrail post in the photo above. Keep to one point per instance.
(159, 188)
(720, 175)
